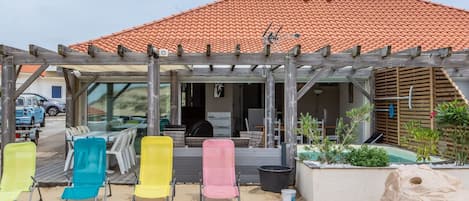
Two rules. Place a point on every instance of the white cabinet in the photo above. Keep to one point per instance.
(221, 122)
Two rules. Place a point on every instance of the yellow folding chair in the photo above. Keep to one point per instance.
(156, 169)
(18, 171)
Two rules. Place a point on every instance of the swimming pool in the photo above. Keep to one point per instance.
(396, 155)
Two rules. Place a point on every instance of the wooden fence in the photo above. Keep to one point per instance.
(431, 86)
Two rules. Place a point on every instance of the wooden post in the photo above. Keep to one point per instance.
(153, 116)
(8, 101)
(398, 103)
(290, 110)
(432, 96)
(269, 108)
(69, 100)
(174, 97)
(109, 105)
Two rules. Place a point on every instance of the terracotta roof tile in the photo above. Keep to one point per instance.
(340, 23)
(26, 68)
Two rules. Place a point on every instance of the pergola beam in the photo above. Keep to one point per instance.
(64, 51)
(36, 50)
(337, 60)
(441, 52)
(93, 50)
(360, 87)
(314, 78)
(303, 73)
(18, 71)
(180, 50)
(382, 52)
(296, 51)
(84, 88)
(267, 51)
(324, 51)
(237, 50)
(10, 51)
(122, 50)
(355, 51)
(208, 51)
(30, 80)
(411, 52)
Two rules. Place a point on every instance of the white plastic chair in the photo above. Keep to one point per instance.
(131, 147)
(118, 149)
(83, 129)
(277, 132)
(75, 131)
(69, 139)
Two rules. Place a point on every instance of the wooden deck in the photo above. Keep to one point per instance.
(187, 166)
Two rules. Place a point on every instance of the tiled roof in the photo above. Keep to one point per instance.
(29, 69)
(340, 23)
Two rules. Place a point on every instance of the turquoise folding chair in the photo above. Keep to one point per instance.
(89, 170)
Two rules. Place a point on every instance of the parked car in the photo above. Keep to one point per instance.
(29, 111)
(52, 106)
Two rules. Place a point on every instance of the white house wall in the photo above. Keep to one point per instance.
(42, 85)
(345, 105)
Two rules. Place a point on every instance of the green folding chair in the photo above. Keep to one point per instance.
(19, 169)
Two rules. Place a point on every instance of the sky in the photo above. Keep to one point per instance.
(50, 22)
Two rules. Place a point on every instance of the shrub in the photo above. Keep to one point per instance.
(367, 156)
(454, 115)
(332, 152)
(426, 140)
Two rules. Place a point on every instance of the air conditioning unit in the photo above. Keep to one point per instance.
(163, 52)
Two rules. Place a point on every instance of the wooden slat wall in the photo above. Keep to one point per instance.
(386, 86)
(420, 79)
(446, 91)
(431, 87)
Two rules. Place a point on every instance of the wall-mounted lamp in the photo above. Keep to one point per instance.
(318, 91)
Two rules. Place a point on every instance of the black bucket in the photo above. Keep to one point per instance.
(274, 178)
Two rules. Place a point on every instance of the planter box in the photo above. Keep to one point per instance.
(316, 183)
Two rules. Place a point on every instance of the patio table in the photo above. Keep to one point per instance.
(109, 136)
(126, 126)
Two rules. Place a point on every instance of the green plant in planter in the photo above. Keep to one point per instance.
(368, 157)
(426, 140)
(331, 152)
(454, 117)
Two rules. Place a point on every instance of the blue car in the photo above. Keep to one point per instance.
(29, 111)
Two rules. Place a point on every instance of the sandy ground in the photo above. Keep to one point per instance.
(183, 193)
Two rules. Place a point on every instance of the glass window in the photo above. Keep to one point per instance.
(19, 102)
(56, 91)
(112, 105)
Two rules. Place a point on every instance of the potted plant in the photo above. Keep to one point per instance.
(453, 117)
(426, 140)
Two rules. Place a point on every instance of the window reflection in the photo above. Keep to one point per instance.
(114, 105)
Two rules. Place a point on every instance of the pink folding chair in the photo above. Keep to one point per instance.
(218, 169)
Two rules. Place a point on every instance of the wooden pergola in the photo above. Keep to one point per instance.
(313, 66)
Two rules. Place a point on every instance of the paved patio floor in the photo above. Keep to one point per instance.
(184, 192)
